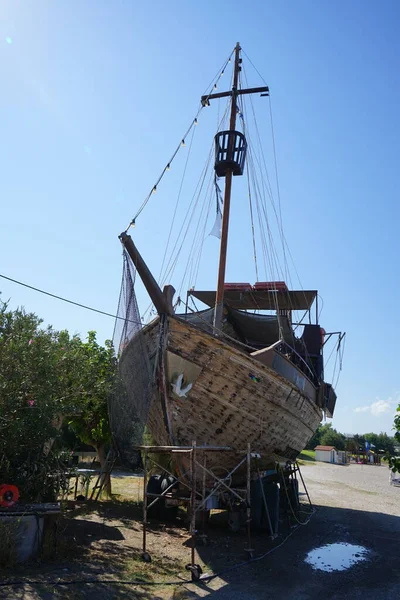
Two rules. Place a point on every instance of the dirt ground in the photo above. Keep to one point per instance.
(353, 504)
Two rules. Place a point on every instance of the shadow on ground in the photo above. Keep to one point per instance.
(91, 546)
(284, 574)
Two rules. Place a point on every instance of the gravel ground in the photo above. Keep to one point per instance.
(365, 487)
(354, 504)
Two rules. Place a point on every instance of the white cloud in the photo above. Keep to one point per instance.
(379, 407)
(376, 408)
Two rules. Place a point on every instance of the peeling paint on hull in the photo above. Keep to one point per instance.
(231, 400)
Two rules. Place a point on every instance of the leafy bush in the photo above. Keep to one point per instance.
(47, 377)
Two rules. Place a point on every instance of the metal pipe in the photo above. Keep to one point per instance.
(220, 482)
(265, 503)
(248, 511)
(193, 503)
(203, 520)
(144, 501)
(304, 485)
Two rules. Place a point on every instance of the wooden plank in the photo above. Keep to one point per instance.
(234, 400)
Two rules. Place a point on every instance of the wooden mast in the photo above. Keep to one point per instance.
(162, 300)
(219, 299)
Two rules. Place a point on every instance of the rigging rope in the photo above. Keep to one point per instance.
(197, 246)
(197, 238)
(286, 247)
(189, 215)
(196, 243)
(278, 214)
(252, 181)
(177, 203)
(252, 223)
(194, 122)
(277, 184)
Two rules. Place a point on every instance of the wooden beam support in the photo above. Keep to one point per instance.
(256, 90)
(161, 302)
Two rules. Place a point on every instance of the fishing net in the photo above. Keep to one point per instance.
(129, 404)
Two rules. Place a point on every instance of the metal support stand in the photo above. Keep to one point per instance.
(196, 500)
(286, 475)
(272, 531)
(249, 549)
(145, 555)
(304, 486)
(192, 567)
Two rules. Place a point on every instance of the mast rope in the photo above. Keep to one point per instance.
(188, 218)
(196, 249)
(241, 114)
(277, 212)
(277, 185)
(269, 251)
(257, 193)
(271, 260)
(177, 203)
(252, 223)
(341, 355)
(193, 263)
(197, 242)
(285, 245)
(213, 85)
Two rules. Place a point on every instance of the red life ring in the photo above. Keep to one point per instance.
(9, 494)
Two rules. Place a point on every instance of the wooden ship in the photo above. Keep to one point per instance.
(232, 373)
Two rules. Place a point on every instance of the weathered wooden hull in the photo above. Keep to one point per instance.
(209, 391)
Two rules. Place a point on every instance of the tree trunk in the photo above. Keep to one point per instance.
(57, 423)
(101, 453)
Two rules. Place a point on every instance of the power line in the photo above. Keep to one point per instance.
(101, 312)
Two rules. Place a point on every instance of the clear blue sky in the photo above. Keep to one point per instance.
(94, 97)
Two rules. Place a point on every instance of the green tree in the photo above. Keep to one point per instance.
(351, 445)
(316, 438)
(381, 441)
(95, 377)
(385, 442)
(46, 380)
(394, 461)
(332, 437)
(31, 388)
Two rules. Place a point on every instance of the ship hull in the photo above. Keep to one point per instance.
(205, 390)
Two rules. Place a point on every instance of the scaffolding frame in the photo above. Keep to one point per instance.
(197, 500)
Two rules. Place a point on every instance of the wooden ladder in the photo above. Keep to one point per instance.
(106, 470)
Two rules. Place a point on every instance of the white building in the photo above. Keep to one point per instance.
(326, 454)
(330, 454)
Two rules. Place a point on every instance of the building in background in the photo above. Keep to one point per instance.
(329, 454)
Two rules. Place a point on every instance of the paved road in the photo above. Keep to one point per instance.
(355, 504)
